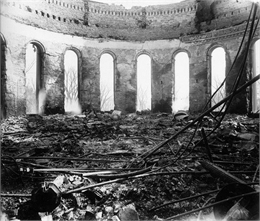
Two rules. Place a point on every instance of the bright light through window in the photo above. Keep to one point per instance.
(144, 94)
(107, 82)
(31, 79)
(256, 71)
(181, 87)
(71, 81)
(218, 74)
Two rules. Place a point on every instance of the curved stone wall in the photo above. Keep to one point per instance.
(56, 35)
(98, 20)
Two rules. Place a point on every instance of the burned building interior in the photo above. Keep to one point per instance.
(140, 113)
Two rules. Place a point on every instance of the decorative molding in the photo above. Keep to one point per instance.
(175, 8)
(230, 32)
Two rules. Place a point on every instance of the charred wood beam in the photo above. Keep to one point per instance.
(25, 163)
(15, 195)
(197, 172)
(72, 158)
(220, 172)
(100, 174)
(87, 170)
(230, 162)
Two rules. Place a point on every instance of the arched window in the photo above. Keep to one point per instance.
(256, 71)
(107, 102)
(218, 74)
(34, 101)
(144, 91)
(71, 84)
(182, 87)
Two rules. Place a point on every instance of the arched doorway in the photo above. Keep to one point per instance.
(218, 75)
(144, 88)
(107, 102)
(182, 86)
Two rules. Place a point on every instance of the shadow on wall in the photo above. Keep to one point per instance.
(49, 108)
(163, 106)
(3, 78)
(240, 102)
(54, 103)
(130, 98)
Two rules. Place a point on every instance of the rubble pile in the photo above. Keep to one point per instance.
(109, 166)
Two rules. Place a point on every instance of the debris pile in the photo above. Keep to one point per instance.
(98, 167)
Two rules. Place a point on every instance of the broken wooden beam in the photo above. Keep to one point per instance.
(232, 162)
(15, 195)
(73, 159)
(217, 171)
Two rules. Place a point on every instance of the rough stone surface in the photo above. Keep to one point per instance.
(3, 78)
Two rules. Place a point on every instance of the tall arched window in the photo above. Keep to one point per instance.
(218, 74)
(71, 84)
(144, 89)
(256, 71)
(33, 81)
(182, 79)
(107, 102)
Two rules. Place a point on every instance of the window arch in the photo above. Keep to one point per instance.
(71, 82)
(107, 102)
(218, 75)
(33, 75)
(256, 71)
(181, 78)
(144, 90)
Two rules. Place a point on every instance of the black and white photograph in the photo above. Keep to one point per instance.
(130, 110)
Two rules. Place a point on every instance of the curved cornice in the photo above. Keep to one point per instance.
(216, 35)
